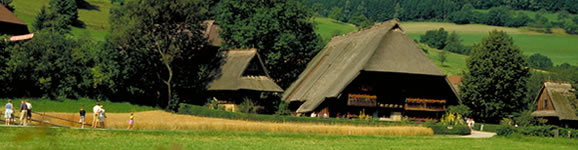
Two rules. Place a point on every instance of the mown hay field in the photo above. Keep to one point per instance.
(160, 120)
(65, 138)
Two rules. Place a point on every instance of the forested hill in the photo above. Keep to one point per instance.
(381, 10)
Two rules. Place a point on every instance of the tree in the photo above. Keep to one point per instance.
(494, 85)
(571, 27)
(67, 9)
(318, 9)
(153, 37)
(454, 44)
(540, 61)
(337, 14)
(498, 16)
(281, 31)
(52, 64)
(7, 4)
(435, 38)
(443, 55)
(521, 19)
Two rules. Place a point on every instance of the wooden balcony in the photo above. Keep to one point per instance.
(424, 107)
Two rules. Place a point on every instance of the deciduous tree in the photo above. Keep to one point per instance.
(281, 31)
(495, 84)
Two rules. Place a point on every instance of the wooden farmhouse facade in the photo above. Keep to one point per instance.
(555, 106)
(378, 72)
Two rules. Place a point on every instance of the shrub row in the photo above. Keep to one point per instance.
(487, 127)
(206, 112)
(449, 129)
(542, 131)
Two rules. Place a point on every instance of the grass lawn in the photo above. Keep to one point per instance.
(73, 106)
(454, 65)
(326, 27)
(95, 20)
(61, 138)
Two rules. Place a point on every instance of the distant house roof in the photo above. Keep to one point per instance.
(559, 93)
(212, 32)
(232, 79)
(382, 48)
(10, 24)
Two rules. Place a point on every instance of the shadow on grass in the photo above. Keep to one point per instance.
(82, 4)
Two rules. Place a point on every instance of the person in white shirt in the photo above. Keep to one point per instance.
(29, 115)
(95, 114)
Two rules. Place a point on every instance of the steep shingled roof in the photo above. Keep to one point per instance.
(212, 32)
(232, 79)
(9, 17)
(382, 48)
(10, 24)
(559, 93)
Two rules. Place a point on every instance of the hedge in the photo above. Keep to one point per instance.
(449, 129)
(206, 112)
(487, 127)
(541, 131)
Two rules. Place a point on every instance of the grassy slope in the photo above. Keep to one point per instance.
(455, 63)
(73, 106)
(39, 138)
(96, 20)
(326, 27)
(560, 48)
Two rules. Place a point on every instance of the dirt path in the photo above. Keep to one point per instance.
(479, 134)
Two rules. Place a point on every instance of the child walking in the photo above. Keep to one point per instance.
(82, 114)
(131, 121)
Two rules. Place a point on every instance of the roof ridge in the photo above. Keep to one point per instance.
(368, 28)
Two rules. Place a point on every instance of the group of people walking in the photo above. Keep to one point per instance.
(25, 112)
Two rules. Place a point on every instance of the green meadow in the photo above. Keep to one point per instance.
(64, 138)
(455, 64)
(94, 19)
(559, 48)
(327, 27)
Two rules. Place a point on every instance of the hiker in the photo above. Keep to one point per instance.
(8, 112)
(102, 115)
(95, 114)
(82, 115)
(23, 113)
(131, 121)
(29, 114)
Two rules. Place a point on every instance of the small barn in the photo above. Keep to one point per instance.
(243, 75)
(555, 105)
(10, 24)
(377, 72)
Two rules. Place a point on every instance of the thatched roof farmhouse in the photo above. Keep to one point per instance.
(378, 71)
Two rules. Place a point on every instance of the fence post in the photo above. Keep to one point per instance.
(556, 133)
(482, 127)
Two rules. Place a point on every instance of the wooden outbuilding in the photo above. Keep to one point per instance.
(376, 72)
(243, 75)
(555, 105)
(10, 24)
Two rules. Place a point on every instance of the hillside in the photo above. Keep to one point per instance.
(327, 27)
(95, 18)
(559, 48)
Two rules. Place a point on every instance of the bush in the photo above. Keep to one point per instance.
(487, 127)
(506, 130)
(435, 38)
(449, 129)
(541, 131)
(540, 61)
(206, 112)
